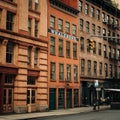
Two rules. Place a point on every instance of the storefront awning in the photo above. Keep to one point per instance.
(110, 89)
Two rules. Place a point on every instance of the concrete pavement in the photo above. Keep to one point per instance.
(50, 113)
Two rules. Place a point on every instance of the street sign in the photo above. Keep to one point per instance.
(96, 83)
(98, 89)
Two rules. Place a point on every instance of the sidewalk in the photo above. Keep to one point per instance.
(50, 113)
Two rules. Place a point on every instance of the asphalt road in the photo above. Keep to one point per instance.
(100, 115)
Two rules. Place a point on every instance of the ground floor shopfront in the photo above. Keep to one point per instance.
(62, 98)
(89, 92)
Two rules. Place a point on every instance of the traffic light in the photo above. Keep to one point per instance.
(91, 44)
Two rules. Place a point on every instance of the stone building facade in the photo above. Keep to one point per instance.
(23, 56)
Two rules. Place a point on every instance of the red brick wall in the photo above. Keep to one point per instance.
(71, 3)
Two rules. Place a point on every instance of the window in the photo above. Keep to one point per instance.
(110, 55)
(60, 24)
(98, 14)
(52, 45)
(30, 80)
(117, 23)
(99, 49)
(118, 54)
(99, 30)
(104, 34)
(119, 72)
(36, 28)
(103, 17)
(9, 53)
(52, 70)
(80, 6)
(61, 72)
(81, 44)
(76, 97)
(93, 29)
(75, 73)
(36, 4)
(29, 25)
(67, 27)
(81, 24)
(112, 21)
(106, 70)
(74, 29)
(30, 4)
(68, 72)
(100, 68)
(74, 50)
(9, 79)
(68, 49)
(36, 56)
(110, 70)
(87, 26)
(60, 47)
(92, 11)
(88, 47)
(10, 21)
(108, 19)
(29, 55)
(86, 9)
(89, 67)
(30, 96)
(95, 68)
(82, 66)
(105, 51)
(114, 53)
(52, 21)
(61, 98)
(94, 50)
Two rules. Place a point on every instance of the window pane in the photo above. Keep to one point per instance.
(9, 53)
(10, 21)
(52, 45)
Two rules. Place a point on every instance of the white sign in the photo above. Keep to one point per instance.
(96, 83)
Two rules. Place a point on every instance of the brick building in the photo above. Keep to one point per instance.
(98, 18)
(45, 58)
(23, 56)
(63, 69)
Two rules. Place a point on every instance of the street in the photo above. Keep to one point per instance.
(97, 115)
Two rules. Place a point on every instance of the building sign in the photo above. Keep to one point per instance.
(62, 34)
